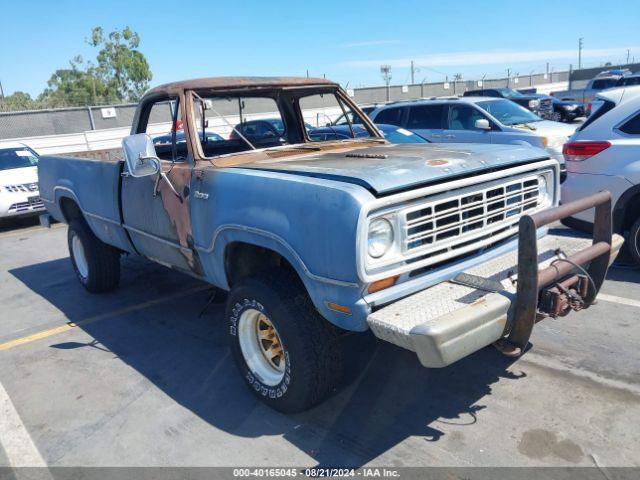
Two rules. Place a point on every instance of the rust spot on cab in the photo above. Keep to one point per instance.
(437, 163)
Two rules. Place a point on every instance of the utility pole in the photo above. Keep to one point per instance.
(1, 91)
(508, 77)
(580, 53)
(414, 70)
(385, 71)
(627, 56)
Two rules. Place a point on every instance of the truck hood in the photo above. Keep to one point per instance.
(18, 176)
(388, 168)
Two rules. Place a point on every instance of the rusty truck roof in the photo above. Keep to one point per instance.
(238, 82)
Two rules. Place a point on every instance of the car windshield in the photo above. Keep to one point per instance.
(17, 158)
(509, 93)
(507, 112)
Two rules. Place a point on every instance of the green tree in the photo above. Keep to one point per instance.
(120, 73)
(119, 62)
(17, 101)
(76, 86)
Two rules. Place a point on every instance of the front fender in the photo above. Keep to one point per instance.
(321, 290)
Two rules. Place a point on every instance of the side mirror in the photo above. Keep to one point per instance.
(482, 124)
(140, 155)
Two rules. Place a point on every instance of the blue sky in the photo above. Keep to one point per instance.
(345, 40)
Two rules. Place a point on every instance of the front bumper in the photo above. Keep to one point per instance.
(14, 205)
(503, 298)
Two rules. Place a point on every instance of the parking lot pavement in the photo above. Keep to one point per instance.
(140, 378)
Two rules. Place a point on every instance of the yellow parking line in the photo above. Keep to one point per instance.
(71, 325)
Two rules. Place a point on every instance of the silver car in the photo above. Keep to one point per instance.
(476, 120)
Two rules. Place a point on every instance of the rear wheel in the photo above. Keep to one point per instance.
(288, 354)
(97, 265)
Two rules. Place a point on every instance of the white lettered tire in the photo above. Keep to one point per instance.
(97, 265)
(288, 354)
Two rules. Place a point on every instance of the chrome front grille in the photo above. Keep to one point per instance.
(458, 221)
(25, 187)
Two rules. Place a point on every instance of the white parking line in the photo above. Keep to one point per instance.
(17, 444)
(620, 300)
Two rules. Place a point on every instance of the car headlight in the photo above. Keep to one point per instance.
(379, 237)
(533, 103)
(570, 107)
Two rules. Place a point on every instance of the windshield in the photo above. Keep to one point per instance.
(17, 158)
(507, 112)
(509, 93)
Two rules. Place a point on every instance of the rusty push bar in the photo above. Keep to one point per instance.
(531, 280)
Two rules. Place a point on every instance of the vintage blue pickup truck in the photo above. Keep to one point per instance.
(439, 249)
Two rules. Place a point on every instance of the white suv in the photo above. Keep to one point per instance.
(19, 192)
(604, 154)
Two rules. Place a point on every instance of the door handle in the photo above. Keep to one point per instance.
(436, 135)
(449, 136)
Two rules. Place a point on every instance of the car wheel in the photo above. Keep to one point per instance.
(97, 265)
(633, 242)
(287, 353)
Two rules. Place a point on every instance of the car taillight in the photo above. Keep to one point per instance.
(589, 107)
(579, 151)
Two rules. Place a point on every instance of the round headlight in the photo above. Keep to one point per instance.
(544, 196)
(380, 237)
(533, 103)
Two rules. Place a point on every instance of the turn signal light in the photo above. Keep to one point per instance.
(580, 151)
(382, 284)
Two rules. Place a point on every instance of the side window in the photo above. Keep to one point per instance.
(425, 117)
(463, 117)
(632, 126)
(160, 128)
(390, 116)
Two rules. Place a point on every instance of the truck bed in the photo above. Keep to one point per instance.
(93, 185)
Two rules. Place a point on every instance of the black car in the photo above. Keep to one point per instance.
(567, 110)
(540, 106)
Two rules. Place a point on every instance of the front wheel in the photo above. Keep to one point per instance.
(97, 265)
(633, 242)
(286, 352)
